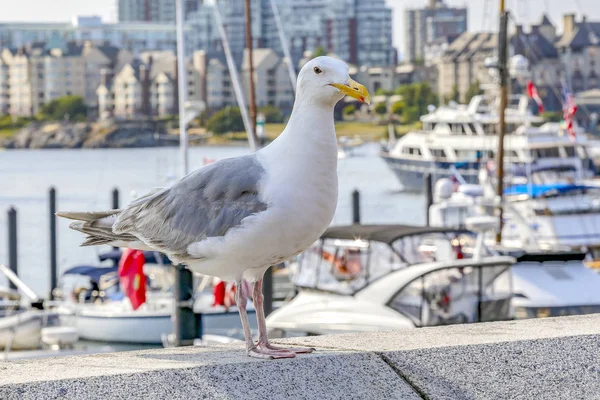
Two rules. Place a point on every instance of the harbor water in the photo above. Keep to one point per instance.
(85, 178)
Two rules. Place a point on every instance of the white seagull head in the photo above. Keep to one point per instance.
(326, 80)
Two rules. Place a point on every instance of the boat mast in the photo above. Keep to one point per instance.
(252, 94)
(235, 80)
(503, 73)
(181, 88)
(284, 44)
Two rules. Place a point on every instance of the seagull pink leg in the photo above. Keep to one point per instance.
(241, 299)
(263, 337)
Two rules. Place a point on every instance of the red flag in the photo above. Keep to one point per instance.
(131, 274)
(533, 94)
(569, 110)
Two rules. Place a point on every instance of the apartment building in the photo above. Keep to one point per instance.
(42, 73)
(162, 11)
(5, 83)
(272, 81)
(425, 25)
(147, 87)
(464, 62)
(579, 50)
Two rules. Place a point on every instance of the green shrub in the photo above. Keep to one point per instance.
(228, 119)
(411, 114)
(380, 108)
(398, 107)
(349, 110)
(71, 107)
(552, 116)
(272, 114)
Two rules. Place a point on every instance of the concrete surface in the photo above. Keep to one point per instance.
(554, 358)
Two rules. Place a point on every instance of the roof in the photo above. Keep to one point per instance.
(584, 34)
(380, 233)
(469, 44)
(534, 46)
(545, 21)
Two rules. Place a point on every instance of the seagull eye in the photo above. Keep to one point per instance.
(317, 70)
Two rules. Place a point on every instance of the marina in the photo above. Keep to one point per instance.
(443, 243)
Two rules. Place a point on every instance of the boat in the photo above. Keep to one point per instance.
(464, 138)
(553, 284)
(553, 231)
(552, 211)
(22, 315)
(384, 277)
(93, 303)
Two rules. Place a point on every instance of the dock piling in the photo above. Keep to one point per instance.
(356, 207)
(428, 182)
(12, 243)
(53, 244)
(184, 321)
(115, 199)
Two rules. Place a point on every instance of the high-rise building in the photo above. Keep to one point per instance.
(153, 10)
(357, 31)
(424, 25)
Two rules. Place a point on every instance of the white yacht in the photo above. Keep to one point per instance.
(553, 210)
(464, 138)
(383, 277)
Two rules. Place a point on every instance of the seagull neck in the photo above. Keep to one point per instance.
(311, 122)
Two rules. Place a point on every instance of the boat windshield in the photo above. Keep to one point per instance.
(456, 295)
(438, 246)
(567, 174)
(346, 266)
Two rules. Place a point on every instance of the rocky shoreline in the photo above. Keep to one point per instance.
(105, 134)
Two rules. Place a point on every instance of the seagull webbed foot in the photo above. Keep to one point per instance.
(295, 350)
(269, 354)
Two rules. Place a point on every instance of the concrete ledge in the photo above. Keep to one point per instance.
(555, 358)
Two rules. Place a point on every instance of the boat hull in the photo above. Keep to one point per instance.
(21, 331)
(146, 327)
(411, 173)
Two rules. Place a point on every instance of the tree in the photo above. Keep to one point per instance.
(384, 92)
(552, 116)
(380, 108)
(319, 51)
(398, 107)
(473, 90)
(67, 107)
(416, 98)
(349, 110)
(454, 95)
(411, 115)
(272, 114)
(228, 119)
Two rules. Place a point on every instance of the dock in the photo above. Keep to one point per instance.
(551, 358)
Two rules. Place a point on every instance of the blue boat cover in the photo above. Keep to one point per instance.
(543, 190)
(94, 273)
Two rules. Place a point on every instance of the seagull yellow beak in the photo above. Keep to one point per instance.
(354, 90)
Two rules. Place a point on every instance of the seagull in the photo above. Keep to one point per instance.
(235, 218)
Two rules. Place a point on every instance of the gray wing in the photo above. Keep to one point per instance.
(205, 203)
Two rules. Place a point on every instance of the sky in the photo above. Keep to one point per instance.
(483, 14)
